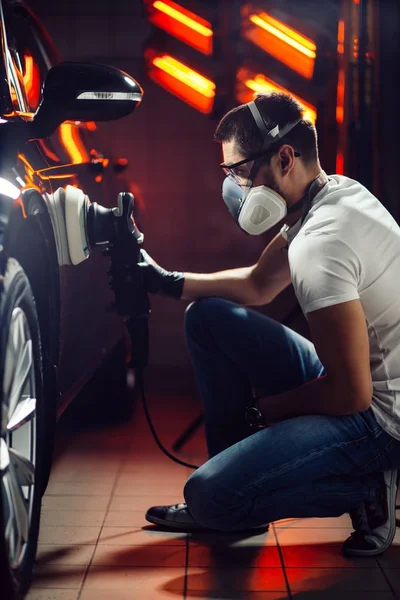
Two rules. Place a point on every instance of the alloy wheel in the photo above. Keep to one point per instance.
(18, 437)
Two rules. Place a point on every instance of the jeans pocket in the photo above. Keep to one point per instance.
(368, 419)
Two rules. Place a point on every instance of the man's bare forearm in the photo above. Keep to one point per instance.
(318, 397)
(235, 284)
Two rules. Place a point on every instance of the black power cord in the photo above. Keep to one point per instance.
(140, 380)
(116, 228)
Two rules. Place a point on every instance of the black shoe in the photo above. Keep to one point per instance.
(374, 521)
(177, 516)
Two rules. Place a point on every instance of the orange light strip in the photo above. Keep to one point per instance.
(285, 33)
(340, 100)
(183, 24)
(175, 11)
(185, 74)
(340, 45)
(184, 82)
(340, 163)
(284, 43)
(72, 143)
(261, 85)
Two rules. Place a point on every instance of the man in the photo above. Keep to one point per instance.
(325, 416)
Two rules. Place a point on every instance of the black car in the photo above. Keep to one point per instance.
(55, 326)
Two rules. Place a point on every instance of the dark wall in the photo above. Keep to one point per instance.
(387, 99)
(172, 156)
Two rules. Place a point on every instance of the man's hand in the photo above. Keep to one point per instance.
(148, 275)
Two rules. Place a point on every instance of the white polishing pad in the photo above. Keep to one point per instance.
(75, 210)
(56, 206)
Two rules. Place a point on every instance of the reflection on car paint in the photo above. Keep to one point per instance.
(31, 77)
(72, 142)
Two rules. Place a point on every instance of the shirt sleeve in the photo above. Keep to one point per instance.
(325, 271)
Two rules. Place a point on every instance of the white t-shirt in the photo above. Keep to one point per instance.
(349, 248)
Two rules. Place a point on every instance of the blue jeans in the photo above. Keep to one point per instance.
(308, 466)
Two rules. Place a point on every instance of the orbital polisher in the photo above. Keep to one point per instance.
(80, 226)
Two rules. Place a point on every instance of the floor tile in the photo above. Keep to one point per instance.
(237, 595)
(343, 521)
(239, 556)
(68, 535)
(52, 594)
(79, 489)
(232, 540)
(321, 555)
(128, 536)
(394, 577)
(75, 502)
(143, 503)
(149, 583)
(126, 518)
(73, 518)
(342, 595)
(237, 580)
(84, 463)
(64, 554)
(113, 476)
(151, 468)
(396, 541)
(391, 558)
(130, 594)
(140, 556)
(301, 536)
(76, 475)
(58, 576)
(336, 580)
(131, 487)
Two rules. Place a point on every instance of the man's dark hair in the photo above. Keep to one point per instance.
(276, 109)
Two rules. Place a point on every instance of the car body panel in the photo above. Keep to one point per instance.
(87, 330)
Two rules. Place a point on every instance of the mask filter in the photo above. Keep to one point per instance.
(255, 210)
(232, 194)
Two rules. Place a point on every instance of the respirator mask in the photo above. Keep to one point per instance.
(257, 209)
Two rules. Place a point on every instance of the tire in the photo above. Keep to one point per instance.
(21, 431)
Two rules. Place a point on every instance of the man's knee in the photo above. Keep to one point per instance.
(210, 504)
(195, 492)
(197, 309)
(202, 311)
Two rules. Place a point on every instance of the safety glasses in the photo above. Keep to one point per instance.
(241, 170)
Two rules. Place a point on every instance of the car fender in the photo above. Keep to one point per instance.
(28, 236)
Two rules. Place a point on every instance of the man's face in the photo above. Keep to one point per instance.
(264, 176)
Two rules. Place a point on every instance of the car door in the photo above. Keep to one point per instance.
(88, 331)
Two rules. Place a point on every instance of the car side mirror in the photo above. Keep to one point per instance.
(84, 92)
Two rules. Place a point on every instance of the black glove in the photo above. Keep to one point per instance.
(157, 280)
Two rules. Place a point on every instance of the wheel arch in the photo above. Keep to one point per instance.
(29, 238)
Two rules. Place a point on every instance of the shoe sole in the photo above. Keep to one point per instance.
(394, 482)
(196, 527)
(170, 525)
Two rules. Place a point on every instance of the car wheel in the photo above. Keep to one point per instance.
(21, 401)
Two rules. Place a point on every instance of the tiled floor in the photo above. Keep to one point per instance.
(96, 545)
